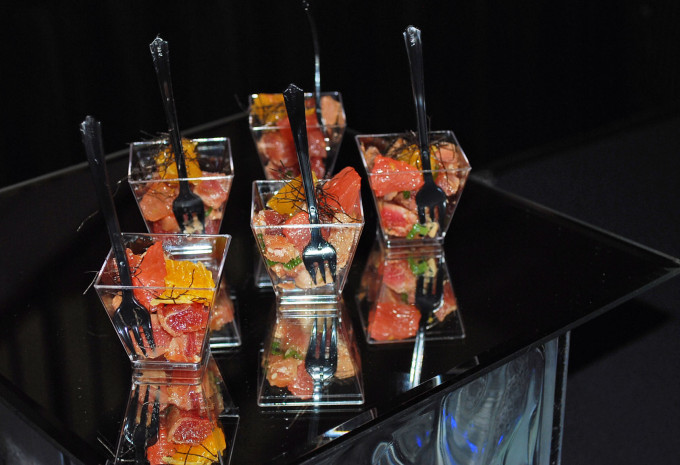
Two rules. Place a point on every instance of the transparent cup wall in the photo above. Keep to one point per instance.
(152, 175)
(290, 279)
(225, 333)
(193, 421)
(268, 121)
(386, 296)
(394, 185)
(284, 381)
(180, 316)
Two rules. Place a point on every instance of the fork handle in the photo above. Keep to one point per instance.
(161, 61)
(92, 140)
(414, 50)
(295, 106)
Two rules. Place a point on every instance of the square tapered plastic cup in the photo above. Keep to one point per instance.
(273, 138)
(179, 421)
(394, 169)
(152, 175)
(282, 236)
(175, 277)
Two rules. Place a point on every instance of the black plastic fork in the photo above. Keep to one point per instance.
(430, 198)
(319, 251)
(141, 429)
(321, 361)
(187, 207)
(130, 315)
(428, 298)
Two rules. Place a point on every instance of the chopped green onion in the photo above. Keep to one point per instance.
(289, 265)
(276, 348)
(406, 194)
(417, 230)
(418, 268)
(293, 263)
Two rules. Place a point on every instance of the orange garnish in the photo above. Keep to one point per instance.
(182, 275)
(269, 108)
(204, 453)
(167, 168)
(290, 197)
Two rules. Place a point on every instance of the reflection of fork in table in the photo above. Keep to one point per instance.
(427, 300)
(321, 360)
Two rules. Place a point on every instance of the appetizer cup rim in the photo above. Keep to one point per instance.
(270, 127)
(163, 141)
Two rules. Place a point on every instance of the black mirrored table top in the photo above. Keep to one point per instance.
(522, 275)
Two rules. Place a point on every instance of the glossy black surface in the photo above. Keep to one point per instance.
(522, 275)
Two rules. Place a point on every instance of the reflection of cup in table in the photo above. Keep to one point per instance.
(386, 296)
(176, 279)
(285, 380)
(152, 175)
(273, 138)
(224, 329)
(282, 237)
(393, 165)
(190, 421)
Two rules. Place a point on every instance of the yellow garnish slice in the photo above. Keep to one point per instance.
(201, 454)
(290, 197)
(269, 108)
(411, 155)
(167, 168)
(184, 274)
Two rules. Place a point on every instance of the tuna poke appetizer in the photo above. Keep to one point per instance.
(273, 138)
(394, 169)
(174, 278)
(152, 175)
(280, 223)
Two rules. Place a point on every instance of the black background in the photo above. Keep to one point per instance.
(508, 77)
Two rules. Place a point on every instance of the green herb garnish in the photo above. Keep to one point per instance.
(406, 194)
(289, 265)
(418, 268)
(292, 263)
(276, 348)
(417, 230)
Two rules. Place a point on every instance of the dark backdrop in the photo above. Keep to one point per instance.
(507, 76)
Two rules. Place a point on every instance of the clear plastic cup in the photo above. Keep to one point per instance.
(269, 126)
(393, 166)
(152, 175)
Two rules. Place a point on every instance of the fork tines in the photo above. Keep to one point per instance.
(317, 258)
(321, 361)
(429, 295)
(142, 428)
